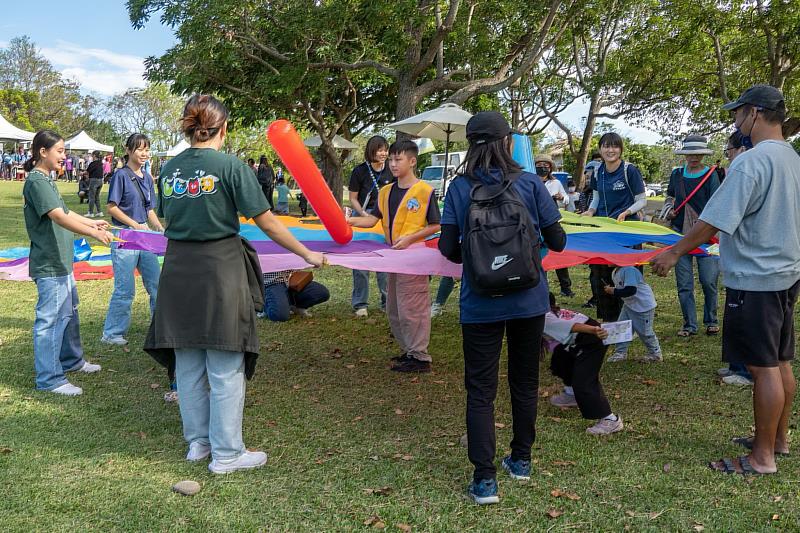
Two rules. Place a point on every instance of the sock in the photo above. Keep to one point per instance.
(569, 390)
(612, 417)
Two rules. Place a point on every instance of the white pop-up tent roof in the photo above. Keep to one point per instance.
(11, 132)
(82, 142)
(175, 150)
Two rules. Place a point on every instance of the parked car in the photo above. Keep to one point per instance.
(653, 189)
(433, 176)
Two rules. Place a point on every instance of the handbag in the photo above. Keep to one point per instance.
(300, 279)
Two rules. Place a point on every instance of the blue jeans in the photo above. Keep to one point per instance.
(446, 285)
(740, 369)
(708, 272)
(211, 391)
(278, 298)
(118, 318)
(361, 288)
(56, 331)
(642, 324)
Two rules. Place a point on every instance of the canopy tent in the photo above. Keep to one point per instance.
(83, 143)
(339, 142)
(175, 150)
(10, 132)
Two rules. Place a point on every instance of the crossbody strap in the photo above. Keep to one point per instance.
(702, 181)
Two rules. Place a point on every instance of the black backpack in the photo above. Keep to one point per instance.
(500, 243)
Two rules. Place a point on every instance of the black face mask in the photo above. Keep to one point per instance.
(542, 171)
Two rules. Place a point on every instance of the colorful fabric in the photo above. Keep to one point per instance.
(591, 240)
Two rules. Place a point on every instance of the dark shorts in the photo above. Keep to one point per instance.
(758, 327)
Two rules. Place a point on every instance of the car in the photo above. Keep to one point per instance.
(649, 192)
(432, 175)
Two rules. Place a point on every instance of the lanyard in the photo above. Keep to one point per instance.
(372, 175)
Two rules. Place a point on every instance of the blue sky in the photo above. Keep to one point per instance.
(97, 46)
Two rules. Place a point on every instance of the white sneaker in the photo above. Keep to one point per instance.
(616, 357)
(436, 310)
(563, 400)
(362, 313)
(116, 341)
(68, 389)
(245, 461)
(198, 451)
(606, 427)
(724, 371)
(653, 358)
(299, 311)
(89, 215)
(99, 214)
(89, 368)
(736, 379)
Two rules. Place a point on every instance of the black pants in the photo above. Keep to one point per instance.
(268, 190)
(482, 345)
(608, 306)
(563, 279)
(579, 367)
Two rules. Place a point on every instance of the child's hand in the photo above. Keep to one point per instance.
(608, 289)
(600, 333)
(100, 224)
(402, 243)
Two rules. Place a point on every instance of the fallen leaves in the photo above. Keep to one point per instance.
(5, 450)
(403, 456)
(403, 527)
(558, 493)
(649, 382)
(382, 491)
(398, 412)
(563, 463)
(554, 513)
(667, 468)
(154, 386)
(499, 425)
(375, 521)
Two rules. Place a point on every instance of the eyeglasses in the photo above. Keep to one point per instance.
(725, 152)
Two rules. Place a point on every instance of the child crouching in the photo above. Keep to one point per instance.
(577, 358)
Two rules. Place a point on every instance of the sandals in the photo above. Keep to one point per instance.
(686, 333)
(745, 468)
(712, 330)
(747, 442)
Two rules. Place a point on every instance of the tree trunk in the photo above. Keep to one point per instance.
(583, 152)
(331, 168)
(407, 101)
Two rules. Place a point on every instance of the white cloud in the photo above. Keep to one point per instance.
(97, 70)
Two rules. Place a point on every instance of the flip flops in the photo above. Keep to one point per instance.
(712, 330)
(686, 333)
(745, 468)
(747, 442)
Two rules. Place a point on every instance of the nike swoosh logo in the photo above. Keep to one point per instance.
(498, 265)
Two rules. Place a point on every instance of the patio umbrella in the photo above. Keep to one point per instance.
(447, 122)
(339, 142)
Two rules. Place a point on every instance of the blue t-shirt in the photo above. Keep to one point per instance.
(644, 300)
(476, 308)
(283, 193)
(616, 195)
(134, 200)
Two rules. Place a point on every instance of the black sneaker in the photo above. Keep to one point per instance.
(401, 358)
(589, 305)
(567, 293)
(412, 365)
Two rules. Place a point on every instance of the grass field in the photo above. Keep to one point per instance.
(355, 447)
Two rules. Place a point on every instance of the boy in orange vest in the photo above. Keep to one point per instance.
(409, 213)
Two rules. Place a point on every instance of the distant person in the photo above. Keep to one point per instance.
(291, 292)
(68, 169)
(720, 171)
(282, 206)
(544, 169)
(366, 181)
(50, 225)
(266, 178)
(131, 204)
(95, 172)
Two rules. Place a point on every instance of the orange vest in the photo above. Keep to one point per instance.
(412, 213)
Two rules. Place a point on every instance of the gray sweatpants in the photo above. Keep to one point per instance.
(408, 306)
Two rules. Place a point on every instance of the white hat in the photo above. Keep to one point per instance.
(694, 145)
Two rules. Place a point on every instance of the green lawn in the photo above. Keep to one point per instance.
(338, 425)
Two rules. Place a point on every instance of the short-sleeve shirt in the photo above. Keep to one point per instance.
(396, 194)
(51, 245)
(361, 182)
(690, 181)
(203, 191)
(283, 193)
(134, 195)
(757, 208)
(644, 300)
(616, 194)
(476, 308)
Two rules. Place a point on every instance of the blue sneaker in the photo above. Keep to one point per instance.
(520, 470)
(484, 492)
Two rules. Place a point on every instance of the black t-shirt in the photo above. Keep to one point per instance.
(95, 170)
(361, 182)
(396, 194)
(265, 175)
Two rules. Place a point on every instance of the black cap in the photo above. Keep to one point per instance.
(763, 96)
(486, 127)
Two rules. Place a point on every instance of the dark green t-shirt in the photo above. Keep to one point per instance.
(51, 245)
(203, 191)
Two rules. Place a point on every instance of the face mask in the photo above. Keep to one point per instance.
(572, 189)
(747, 142)
(542, 171)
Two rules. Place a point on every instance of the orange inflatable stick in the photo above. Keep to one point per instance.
(295, 156)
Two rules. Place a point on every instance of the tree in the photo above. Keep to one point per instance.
(153, 110)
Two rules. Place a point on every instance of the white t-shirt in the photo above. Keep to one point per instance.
(554, 187)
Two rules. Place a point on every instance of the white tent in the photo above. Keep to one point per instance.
(11, 132)
(175, 150)
(339, 142)
(82, 142)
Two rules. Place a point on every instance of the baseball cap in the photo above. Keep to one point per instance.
(763, 96)
(486, 127)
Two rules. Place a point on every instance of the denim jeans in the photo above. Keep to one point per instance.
(361, 288)
(211, 390)
(708, 272)
(278, 298)
(118, 318)
(642, 324)
(446, 285)
(56, 331)
(740, 369)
